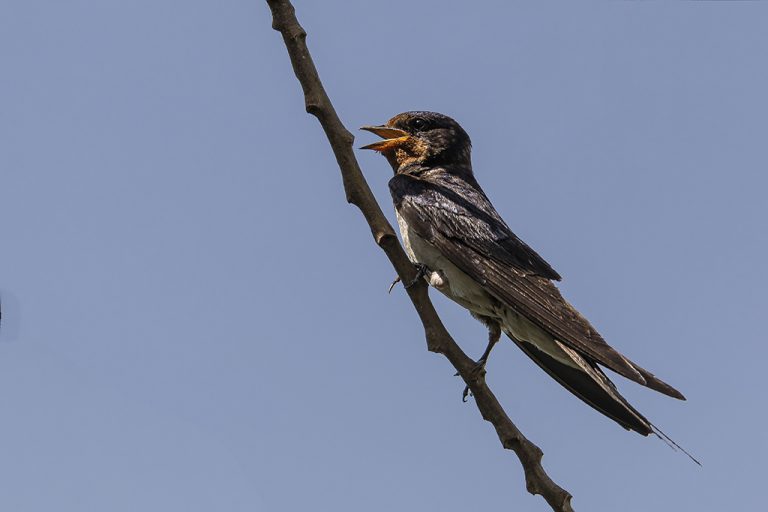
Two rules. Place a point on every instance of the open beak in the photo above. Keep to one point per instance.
(393, 138)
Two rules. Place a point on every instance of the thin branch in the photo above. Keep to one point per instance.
(359, 193)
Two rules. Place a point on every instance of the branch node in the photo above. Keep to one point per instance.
(384, 238)
(435, 342)
(347, 138)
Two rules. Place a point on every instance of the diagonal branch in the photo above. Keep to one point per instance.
(359, 193)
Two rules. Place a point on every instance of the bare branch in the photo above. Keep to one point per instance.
(359, 193)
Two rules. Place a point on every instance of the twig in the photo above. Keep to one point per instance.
(359, 193)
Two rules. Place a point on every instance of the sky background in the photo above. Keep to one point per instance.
(194, 319)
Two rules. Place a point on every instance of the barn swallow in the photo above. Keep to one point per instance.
(451, 230)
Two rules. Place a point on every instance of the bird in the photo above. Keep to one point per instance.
(464, 249)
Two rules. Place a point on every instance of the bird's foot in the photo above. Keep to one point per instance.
(494, 333)
(421, 272)
(477, 370)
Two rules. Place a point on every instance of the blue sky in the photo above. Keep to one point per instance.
(194, 319)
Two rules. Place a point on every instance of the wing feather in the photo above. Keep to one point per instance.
(454, 215)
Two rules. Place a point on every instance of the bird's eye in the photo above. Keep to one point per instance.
(419, 123)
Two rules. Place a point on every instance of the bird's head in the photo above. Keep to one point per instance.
(423, 138)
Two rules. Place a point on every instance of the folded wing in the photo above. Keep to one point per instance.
(459, 221)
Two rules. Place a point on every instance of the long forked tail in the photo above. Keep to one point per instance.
(672, 444)
(586, 380)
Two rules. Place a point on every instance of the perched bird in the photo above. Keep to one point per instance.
(465, 250)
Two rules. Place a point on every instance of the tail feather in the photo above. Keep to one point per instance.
(657, 384)
(672, 444)
(585, 380)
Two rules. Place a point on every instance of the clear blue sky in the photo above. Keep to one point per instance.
(194, 319)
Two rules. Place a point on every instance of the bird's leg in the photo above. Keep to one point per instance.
(494, 334)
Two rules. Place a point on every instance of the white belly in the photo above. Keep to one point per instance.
(461, 288)
(444, 275)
